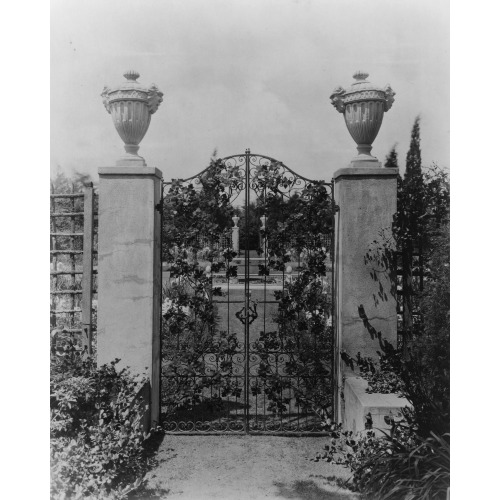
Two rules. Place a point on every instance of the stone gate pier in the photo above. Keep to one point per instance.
(129, 278)
(366, 193)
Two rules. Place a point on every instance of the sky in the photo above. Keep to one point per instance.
(246, 74)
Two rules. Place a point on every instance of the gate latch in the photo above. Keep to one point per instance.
(252, 315)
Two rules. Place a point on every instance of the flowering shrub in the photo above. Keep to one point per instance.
(96, 431)
(196, 358)
(304, 337)
(204, 254)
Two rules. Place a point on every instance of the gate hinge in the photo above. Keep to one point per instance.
(158, 206)
(336, 209)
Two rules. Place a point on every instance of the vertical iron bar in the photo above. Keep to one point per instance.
(72, 257)
(333, 350)
(266, 272)
(53, 246)
(162, 298)
(228, 293)
(87, 266)
(336, 372)
(247, 289)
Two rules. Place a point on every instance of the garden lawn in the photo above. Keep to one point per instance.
(243, 467)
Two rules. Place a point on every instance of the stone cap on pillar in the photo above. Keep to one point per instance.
(131, 171)
(364, 172)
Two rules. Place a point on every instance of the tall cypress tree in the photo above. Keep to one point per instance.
(414, 190)
(414, 155)
(411, 225)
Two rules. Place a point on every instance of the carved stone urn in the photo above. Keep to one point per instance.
(363, 106)
(131, 105)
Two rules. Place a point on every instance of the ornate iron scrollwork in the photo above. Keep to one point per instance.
(229, 363)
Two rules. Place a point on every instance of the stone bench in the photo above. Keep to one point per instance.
(358, 404)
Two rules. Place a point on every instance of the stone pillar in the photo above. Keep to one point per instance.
(367, 200)
(130, 269)
(129, 277)
(366, 194)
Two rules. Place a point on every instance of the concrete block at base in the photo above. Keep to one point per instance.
(358, 404)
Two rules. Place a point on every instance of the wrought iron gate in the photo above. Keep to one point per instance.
(248, 341)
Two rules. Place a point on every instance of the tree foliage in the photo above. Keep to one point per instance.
(199, 207)
(421, 222)
(423, 198)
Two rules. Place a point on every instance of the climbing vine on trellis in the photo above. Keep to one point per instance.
(304, 336)
(202, 355)
(302, 343)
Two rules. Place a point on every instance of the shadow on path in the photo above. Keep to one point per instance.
(309, 490)
(151, 447)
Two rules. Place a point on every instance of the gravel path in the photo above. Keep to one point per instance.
(243, 467)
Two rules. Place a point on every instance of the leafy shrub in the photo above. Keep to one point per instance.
(423, 371)
(421, 376)
(396, 466)
(380, 375)
(431, 350)
(96, 431)
(413, 462)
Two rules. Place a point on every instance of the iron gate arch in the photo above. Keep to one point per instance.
(248, 341)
